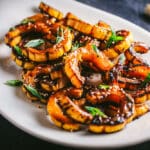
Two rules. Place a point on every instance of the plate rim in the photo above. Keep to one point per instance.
(21, 127)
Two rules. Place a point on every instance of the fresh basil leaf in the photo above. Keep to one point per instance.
(70, 28)
(76, 45)
(60, 35)
(58, 39)
(122, 59)
(34, 43)
(113, 39)
(14, 83)
(147, 80)
(18, 50)
(12, 28)
(118, 38)
(109, 42)
(33, 91)
(95, 111)
(26, 20)
(95, 48)
(103, 86)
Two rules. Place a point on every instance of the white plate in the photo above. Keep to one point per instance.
(15, 107)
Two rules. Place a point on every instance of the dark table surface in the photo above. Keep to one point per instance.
(12, 138)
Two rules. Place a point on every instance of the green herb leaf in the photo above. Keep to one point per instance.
(118, 38)
(58, 39)
(122, 59)
(70, 28)
(34, 43)
(18, 50)
(95, 48)
(95, 111)
(103, 86)
(12, 28)
(33, 91)
(76, 45)
(113, 39)
(60, 35)
(26, 20)
(147, 80)
(14, 82)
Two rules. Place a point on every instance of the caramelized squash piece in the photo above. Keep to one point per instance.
(117, 117)
(52, 53)
(50, 11)
(95, 31)
(57, 115)
(86, 53)
(121, 46)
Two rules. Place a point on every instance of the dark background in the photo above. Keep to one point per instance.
(132, 10)
(12, 138)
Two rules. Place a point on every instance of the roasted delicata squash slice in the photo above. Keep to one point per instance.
(58, 116)
(129, 83)
(22, 61)
(141, 95)
(16, 32)
(76, 23)
(131, 53)
(89, 54)
(75, 92)
(37, 23)
(138, 71)
(49, 51)
(121, 46)
(141, 47)
(141, 109)
(120, 110)
(72, 110)
(40, 78)
(104, 25)
(136, 81)
(99, 32)
(50, 11)
(32, 77)
(62, 45)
